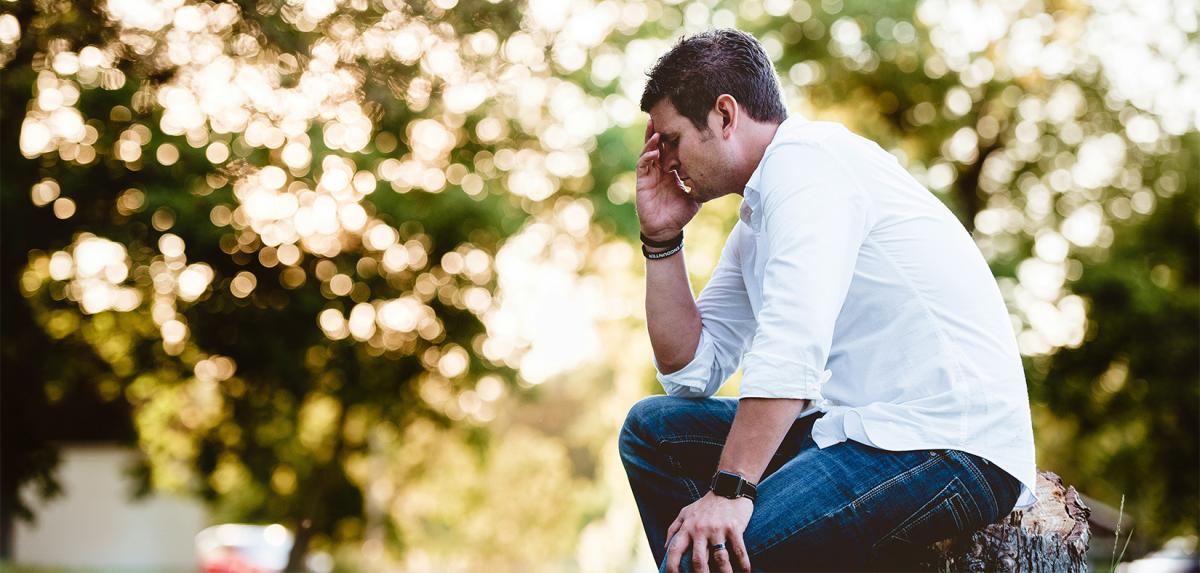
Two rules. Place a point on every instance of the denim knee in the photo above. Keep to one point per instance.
(642, 420)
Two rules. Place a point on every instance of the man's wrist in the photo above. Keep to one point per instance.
(715, 496)
(662, 240)
(662, 254)
(732, 485)
(655, 249)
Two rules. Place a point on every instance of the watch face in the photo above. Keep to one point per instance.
(726, 484)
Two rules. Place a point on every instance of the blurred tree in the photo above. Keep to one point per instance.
(271, 230)
(1131, 390)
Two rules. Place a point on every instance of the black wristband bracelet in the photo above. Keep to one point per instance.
(662, 244)
(663, 254)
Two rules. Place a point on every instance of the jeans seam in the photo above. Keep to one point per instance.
(690, 439)
(987, 486)
(687, 482)
(860, 499)
(955, 492)
(883, 486)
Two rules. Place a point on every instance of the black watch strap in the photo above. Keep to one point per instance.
(733, 486)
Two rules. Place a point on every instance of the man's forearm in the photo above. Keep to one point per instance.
(758, 428)
(671, 314)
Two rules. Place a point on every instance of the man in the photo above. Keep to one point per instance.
(883, 403)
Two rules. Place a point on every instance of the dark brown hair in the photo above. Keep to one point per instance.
(702, 67)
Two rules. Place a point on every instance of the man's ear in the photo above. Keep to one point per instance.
(727, 112)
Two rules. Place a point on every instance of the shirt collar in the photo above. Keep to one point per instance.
(749, 212)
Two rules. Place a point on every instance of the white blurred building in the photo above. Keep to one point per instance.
(96, 523)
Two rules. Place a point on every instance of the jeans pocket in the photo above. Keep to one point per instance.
(942, 517)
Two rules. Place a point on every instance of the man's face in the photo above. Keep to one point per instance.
(698, 156)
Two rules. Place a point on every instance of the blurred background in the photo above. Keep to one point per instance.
(363, 275)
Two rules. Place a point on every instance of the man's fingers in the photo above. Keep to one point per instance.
(676, 546)
(700, 555)
(646, 159)
(721, 558)
(737, 550)
(675, 525)
(652, 142)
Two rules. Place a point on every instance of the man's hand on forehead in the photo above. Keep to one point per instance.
(661, 144)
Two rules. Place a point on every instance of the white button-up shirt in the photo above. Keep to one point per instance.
(847, 283)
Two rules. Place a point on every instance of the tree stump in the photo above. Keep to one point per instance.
(1052, 535)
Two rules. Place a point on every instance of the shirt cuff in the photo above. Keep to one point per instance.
(768, 376)
(691, 380)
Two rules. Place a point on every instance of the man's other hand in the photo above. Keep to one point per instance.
(711, 520)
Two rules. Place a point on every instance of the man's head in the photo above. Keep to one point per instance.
(710, 97)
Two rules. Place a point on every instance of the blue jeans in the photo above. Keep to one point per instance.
(846, 507)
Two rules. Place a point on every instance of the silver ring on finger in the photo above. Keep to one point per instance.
(716, 547)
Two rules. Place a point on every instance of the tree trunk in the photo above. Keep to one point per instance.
(1052, 535)
(299, 546)
(6, 531)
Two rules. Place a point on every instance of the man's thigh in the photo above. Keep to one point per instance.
(690, 435)
(849, 505)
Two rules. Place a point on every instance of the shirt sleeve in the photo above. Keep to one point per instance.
(815, 219)
(726, 325)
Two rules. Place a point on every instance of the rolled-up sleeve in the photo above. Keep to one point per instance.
(726, 326)
(814, 220)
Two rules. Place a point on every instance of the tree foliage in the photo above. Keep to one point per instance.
(271, 230)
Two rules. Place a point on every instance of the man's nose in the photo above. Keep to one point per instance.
(670, 158)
